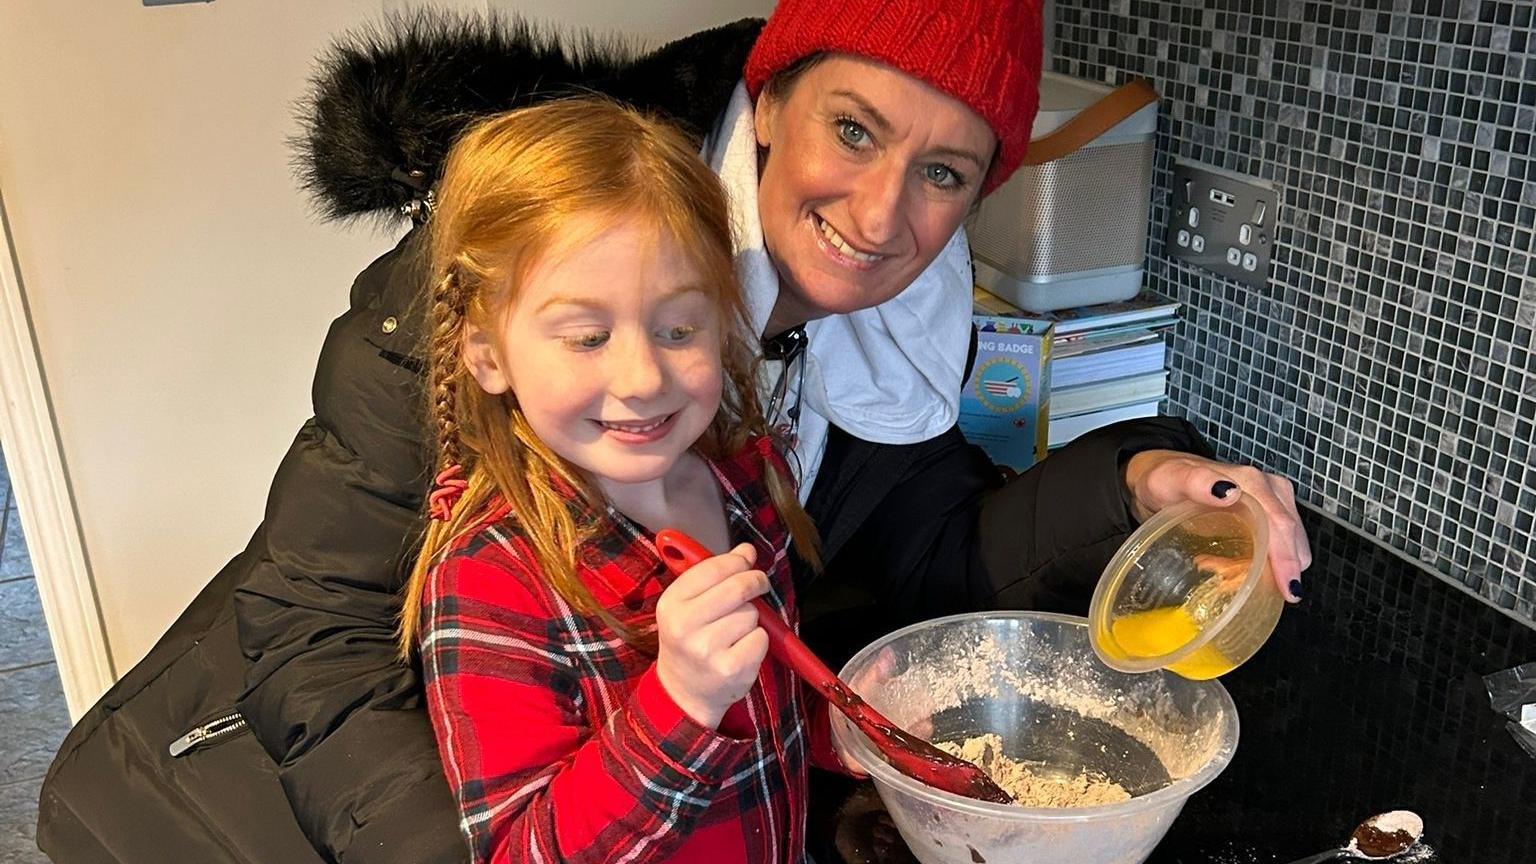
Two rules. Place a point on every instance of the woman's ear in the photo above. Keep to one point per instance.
(765, 115)
(481, 360)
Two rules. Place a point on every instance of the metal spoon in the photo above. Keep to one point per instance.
(1383, 836)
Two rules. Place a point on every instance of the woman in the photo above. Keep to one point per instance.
(864, 132)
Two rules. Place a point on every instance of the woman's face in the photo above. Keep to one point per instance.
(868, 173)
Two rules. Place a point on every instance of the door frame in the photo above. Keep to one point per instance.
(47, 507)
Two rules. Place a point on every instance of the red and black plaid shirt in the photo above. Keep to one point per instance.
(558, 739)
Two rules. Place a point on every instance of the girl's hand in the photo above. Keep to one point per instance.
(1162, 478)
(709, 644)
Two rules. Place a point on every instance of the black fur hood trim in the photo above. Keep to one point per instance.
(387, 101)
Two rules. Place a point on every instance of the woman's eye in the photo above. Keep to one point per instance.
(681, 333)
(586, 341)
(942, 175)
(851, 133)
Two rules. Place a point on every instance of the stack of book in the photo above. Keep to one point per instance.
(1107, 362)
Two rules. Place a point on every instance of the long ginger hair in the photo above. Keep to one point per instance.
(512, 186)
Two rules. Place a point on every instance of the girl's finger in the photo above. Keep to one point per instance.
(746, 552)
(732, 592)
(721, 633)
(748, 651)
(708, 573)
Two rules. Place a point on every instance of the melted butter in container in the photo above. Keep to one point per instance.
(1190, 592)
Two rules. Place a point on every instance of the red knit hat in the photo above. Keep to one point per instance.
(985, 53)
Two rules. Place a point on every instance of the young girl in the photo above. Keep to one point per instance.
(589, 387)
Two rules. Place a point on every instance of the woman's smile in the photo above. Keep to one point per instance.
(840, 250)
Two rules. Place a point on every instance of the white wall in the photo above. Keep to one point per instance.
(178, 286)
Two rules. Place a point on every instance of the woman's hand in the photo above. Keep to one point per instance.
(709, 647)
(852, 765)
(876, 674)
(1161, 478)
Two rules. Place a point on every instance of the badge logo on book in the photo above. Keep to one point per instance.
(1002, 384)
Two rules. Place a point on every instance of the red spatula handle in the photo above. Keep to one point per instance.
(905, 752)
(680, 552)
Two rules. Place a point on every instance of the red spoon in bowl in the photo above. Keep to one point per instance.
(904, 751)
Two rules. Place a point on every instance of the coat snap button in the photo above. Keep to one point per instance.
(390, 324)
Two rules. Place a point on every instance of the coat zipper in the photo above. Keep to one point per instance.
(208, 733)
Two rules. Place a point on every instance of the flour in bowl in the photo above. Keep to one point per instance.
(1034, 784)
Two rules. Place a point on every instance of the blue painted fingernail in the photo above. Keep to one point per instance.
(1295, 587)
(1222, 487)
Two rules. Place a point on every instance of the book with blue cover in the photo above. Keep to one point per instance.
(1004, 406)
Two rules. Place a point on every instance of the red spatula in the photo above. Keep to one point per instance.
(905, 752)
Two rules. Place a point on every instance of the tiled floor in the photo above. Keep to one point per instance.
(33, 717)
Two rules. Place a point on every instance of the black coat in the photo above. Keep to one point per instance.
(294, 639)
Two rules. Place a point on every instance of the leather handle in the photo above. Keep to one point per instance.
(1091, 122)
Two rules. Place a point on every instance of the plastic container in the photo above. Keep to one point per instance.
(1190, 592)
(1032, 678)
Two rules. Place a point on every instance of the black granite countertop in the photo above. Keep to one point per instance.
(1368, 698)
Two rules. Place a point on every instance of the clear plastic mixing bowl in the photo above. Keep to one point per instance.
(1033, 679)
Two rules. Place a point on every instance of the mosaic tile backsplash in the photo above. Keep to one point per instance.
(1387, 369)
